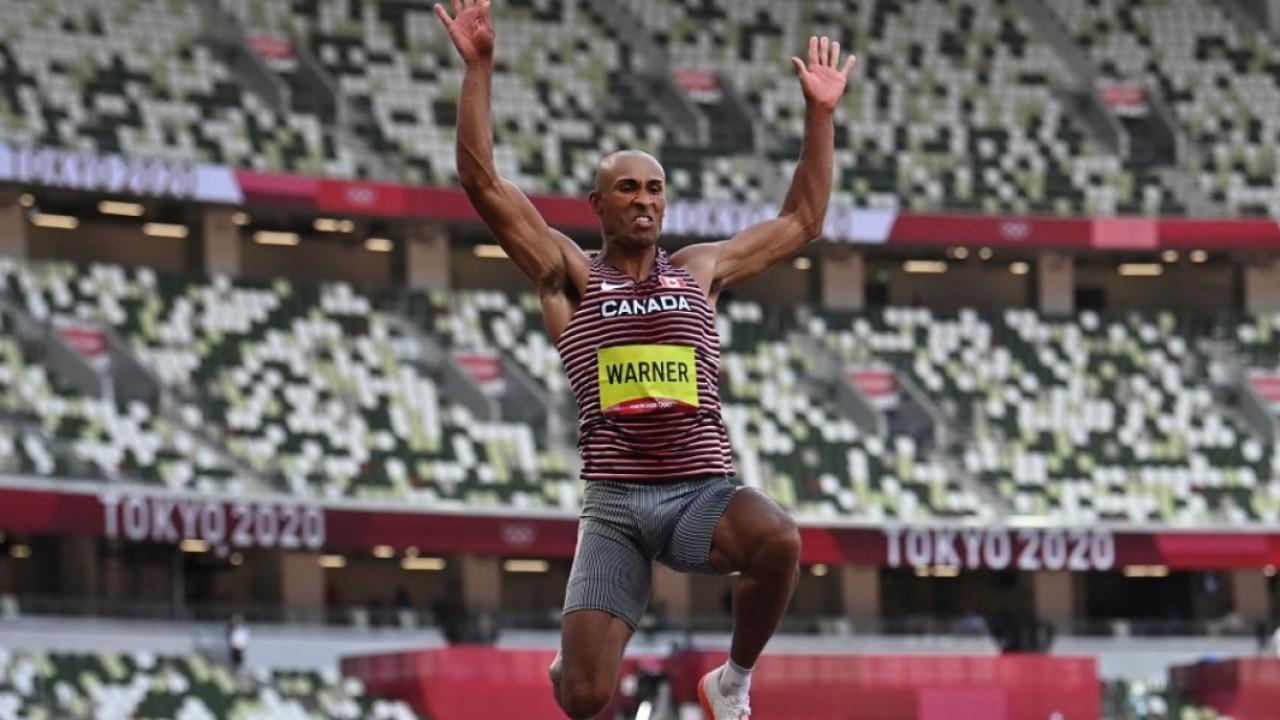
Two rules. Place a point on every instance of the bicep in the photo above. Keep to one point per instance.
(756, 249)
(522, 232)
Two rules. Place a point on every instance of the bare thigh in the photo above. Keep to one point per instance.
(591, 646)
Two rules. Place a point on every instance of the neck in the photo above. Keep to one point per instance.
(636, 263)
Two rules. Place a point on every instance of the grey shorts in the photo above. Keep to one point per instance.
(624, 527)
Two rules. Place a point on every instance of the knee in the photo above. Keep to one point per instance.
(583, 695)
(781, 547)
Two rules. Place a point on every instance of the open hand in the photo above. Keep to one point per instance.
(470, 28)
(824, 80)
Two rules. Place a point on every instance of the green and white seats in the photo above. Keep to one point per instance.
(45, 686)
(807, 455)
(1080, 420)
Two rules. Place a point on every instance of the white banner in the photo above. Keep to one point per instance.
(151, 518)
(118, 175)
(722, 219)
(1000, 548)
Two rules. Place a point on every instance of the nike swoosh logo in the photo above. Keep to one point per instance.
(606, 286)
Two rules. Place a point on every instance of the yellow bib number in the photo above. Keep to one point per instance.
(641, 379)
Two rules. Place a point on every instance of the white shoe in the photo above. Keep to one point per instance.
(716, 705)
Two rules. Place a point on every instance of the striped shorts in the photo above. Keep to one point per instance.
(624, 527)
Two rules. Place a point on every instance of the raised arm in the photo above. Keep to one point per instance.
(723, 264)
(551, 260)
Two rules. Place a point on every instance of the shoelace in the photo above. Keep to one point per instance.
(739, 705)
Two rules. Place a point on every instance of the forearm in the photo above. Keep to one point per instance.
(476, 167)
(810, 190)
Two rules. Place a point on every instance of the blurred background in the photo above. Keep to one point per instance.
(282, 435)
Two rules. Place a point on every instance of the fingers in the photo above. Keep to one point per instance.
(457, 8)
(824, 51)
(444, 15)
(848, 66)
(799, 65)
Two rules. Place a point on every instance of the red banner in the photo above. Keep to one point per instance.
(88, 341)
(278, 189)
(342, 197)
(1242, 234)
(1126, 99)
(939, 229)
(1244, 689)
(905, 687)
(701, 85)
(700, 219)
(874, 383)
(1268, 388)
(1126, 233)
(144, 516)
(483, 367)
(478, 683)
(880, 387)
(270, 47)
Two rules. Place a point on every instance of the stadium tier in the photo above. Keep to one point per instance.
(1218, 76)
(304, 387)
(311, 390)
(956, 105)
(1084, 420)
(809, 456)
(135, 78)
(100, 686)
(394, 65)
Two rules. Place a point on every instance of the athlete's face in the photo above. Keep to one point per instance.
(630, 199)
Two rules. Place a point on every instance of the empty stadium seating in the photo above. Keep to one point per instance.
(1218, 77)
(1084, 420)
(491, 319)
(101, 686)
(1137, 700)
(134, 78)
(955, 105)
(311, 390)
(395, 64)
(1259, 340)
(809, 456)
(306, 386)
(786, 442)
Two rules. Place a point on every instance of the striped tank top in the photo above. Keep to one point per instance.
(643, 359)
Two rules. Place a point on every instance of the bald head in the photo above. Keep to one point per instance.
(630, 199)
(637, 162)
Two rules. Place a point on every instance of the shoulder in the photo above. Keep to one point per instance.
(700, 262)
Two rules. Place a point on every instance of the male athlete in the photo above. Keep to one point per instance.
(636, 332)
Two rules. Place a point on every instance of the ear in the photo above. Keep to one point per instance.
(594, 200)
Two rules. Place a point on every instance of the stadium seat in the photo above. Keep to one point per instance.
(1218, 78)
(104, 686)
(954, 105)
(1081, 420)
(132, 77)
(809, 456)
(306, 386)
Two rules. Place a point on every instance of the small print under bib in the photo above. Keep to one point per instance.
(642, 379)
